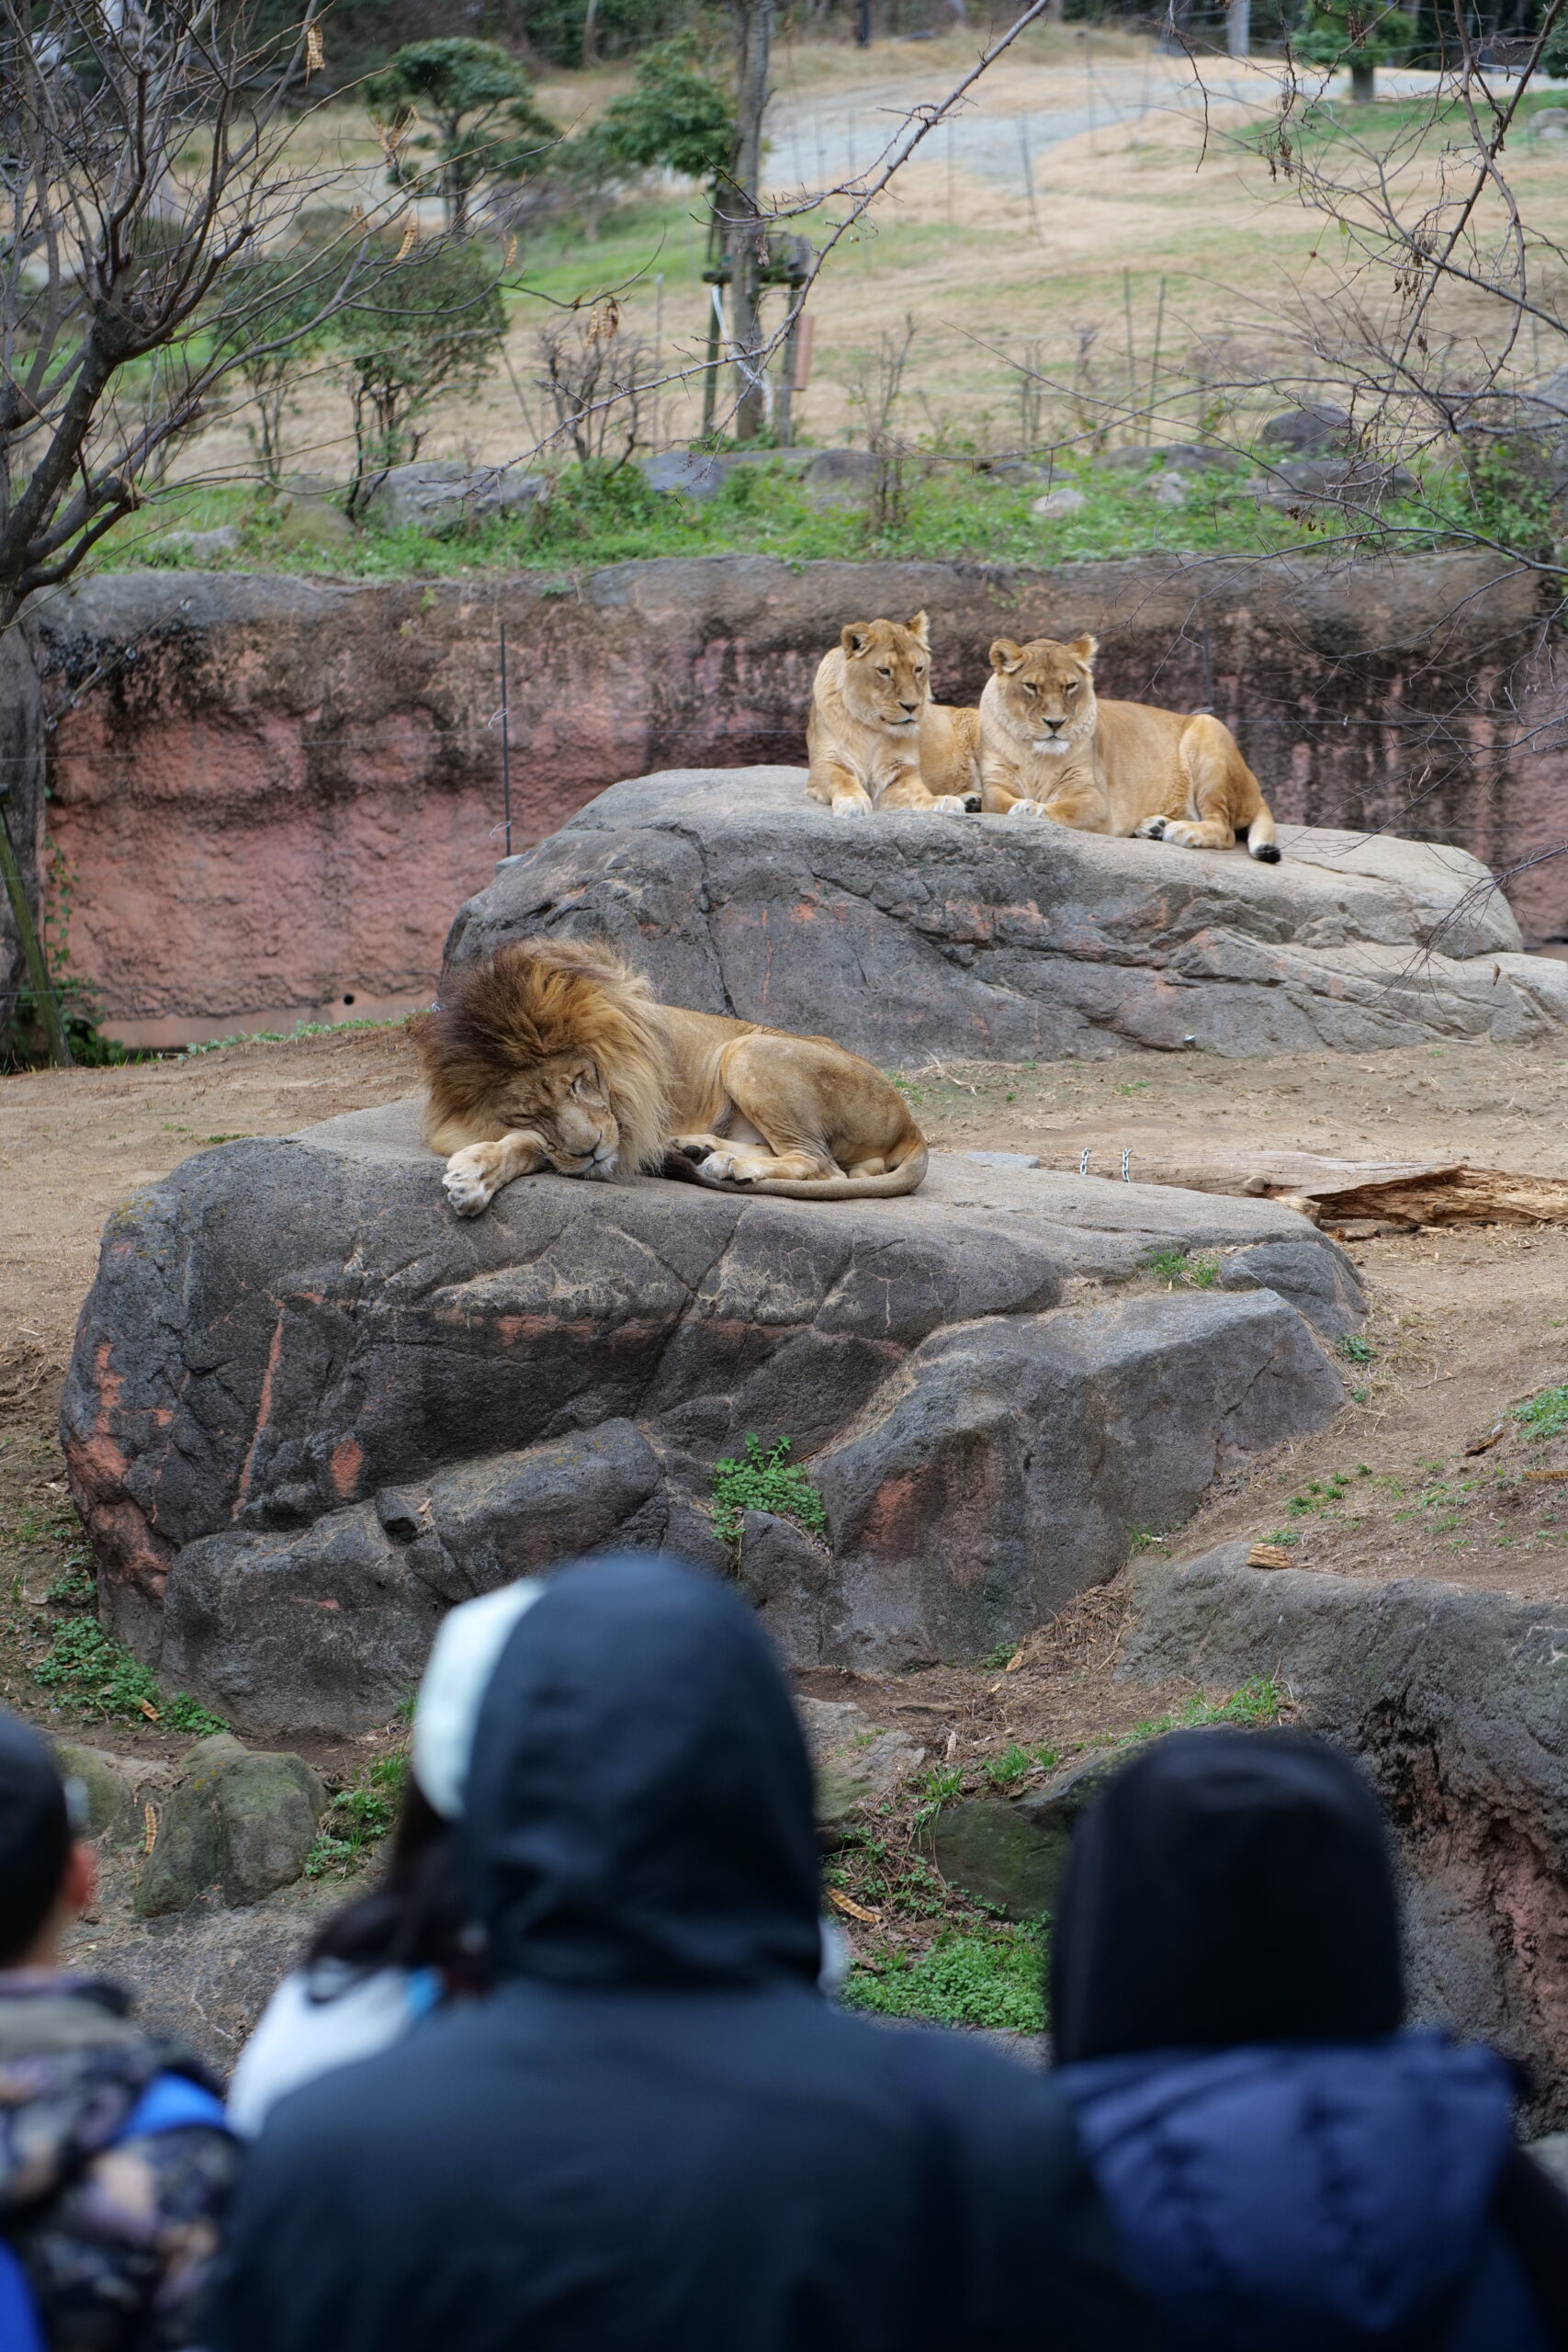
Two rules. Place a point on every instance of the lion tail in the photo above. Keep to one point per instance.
(907, 1177)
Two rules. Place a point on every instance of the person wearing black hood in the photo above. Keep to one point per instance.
(654, 2134)
(1288, 2169)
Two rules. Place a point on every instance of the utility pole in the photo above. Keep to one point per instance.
(746, 232)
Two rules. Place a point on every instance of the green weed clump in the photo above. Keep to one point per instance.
(102, 1680)
(1544, 1415)
(1258, 1702)
(1015, 1764)
(1199, 1272)
(760, 1481)
(358, 1817)
(986, 1977)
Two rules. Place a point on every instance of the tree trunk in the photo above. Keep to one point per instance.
(22, 800)
(751, 103)
(1363, 80)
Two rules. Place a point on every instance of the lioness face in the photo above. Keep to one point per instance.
(1047, 690)
(887, 673)
(564, 1103)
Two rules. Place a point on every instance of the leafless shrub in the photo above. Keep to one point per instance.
(598, 380)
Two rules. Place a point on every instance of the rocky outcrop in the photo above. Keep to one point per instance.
(1003, 939)
(1455, 1701)
(269, 792)
(309, 1409)
(238, 1821)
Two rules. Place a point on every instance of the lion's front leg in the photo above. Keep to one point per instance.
(475, 1175)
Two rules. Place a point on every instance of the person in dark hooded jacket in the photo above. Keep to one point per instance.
(654, 2134)
(1287, 2168)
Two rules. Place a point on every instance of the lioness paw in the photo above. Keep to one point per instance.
(1027, 808)
(970, 803)
(953, 804)
(469, 1180)
(1153, 829)
(1186, 836)
(861, 807)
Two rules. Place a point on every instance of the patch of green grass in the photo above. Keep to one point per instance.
(358, 1817)
(104, 1683)
(1544, 1415)
(760, 1481)
(1258, 1702)
(938, 1785)
(1186, 1269)
(1001, 1657)
(1014, 1764)
(980, 1976)
(1354, 1349)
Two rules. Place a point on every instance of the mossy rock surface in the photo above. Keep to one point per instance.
(239, 1823)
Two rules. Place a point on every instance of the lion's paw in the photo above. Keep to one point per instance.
(469, 1180)
(1185, 835)
(1153, 829)
(1027, 808)
(861, 807)
(726, 1168)
(952, 803)
(970, 803)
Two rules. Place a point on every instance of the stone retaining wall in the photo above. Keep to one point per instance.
(271, 792)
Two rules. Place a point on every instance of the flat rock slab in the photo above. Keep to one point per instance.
(309, 1408)
(987, 937)
(1457, 1703)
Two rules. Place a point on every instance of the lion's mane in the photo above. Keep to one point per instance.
(535, 999)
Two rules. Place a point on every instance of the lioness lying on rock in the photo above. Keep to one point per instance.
(552, 1054)
(875, 737)
(1048, 748)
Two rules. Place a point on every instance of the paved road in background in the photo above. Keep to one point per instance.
(823, 142)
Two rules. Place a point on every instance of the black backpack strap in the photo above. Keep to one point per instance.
(1531, 2211)
(942, 2248)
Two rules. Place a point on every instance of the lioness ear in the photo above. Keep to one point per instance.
(1005, 655)
(855, 638)
(919, 629)
(1085, 647)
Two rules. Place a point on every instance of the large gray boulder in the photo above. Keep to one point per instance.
(993, 938)
(1457, 1702)
(309, 1408)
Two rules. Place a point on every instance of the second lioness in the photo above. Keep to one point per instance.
(875, 737)
(1049, 748)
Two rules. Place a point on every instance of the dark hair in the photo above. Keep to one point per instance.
(35, 1837)
(413, 1917)
(1228, 1887)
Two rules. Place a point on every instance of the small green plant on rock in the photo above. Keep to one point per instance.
(1354, 1349)
(760, 1481)
(1174, 1266)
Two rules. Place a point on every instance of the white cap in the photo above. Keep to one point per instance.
(467, 1650)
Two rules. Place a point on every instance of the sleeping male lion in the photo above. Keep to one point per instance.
(1048, 748)
(875, 738)
(553, 1054)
